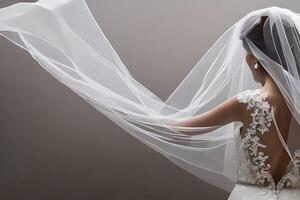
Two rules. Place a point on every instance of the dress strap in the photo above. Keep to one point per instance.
(281, 138)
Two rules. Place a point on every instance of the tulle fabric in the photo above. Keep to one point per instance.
(250, 192)
(65, 39)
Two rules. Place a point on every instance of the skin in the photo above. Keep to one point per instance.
(231, 110)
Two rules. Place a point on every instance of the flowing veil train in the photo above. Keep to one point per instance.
(65, 39)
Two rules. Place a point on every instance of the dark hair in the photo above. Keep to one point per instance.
(266, 38)
(256, 36)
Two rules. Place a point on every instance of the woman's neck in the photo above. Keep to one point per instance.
(269, 85)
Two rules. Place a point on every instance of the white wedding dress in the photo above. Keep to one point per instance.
(65, 39)
(255, 181)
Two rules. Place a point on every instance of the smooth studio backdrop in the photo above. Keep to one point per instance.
(55, 146)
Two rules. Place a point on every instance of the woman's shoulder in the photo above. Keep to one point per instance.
(259, 94)
(252, 97)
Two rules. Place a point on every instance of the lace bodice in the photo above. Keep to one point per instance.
(253, 167)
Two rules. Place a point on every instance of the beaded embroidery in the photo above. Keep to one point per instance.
(256, 170)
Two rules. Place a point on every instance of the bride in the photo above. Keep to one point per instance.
(233, 121)
(266, 119)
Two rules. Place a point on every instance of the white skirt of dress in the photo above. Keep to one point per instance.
(251, 192)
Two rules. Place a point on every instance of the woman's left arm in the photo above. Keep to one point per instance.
(226, 112)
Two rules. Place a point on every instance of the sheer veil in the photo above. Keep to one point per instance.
(64, 38)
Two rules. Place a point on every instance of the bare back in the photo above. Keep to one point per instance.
(269, 144)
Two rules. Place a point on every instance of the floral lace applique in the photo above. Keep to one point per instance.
(253, 166)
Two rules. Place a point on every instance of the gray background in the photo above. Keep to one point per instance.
(54, 145)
